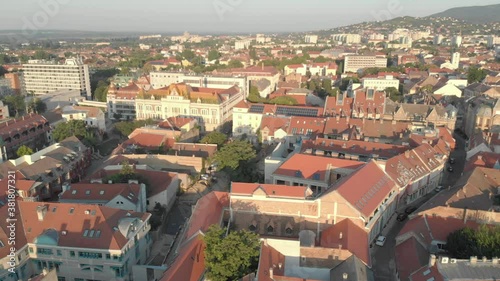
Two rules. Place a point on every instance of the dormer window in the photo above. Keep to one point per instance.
(270, 229)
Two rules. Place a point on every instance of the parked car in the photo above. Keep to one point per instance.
(439, 188)
(450, 169)
(402, 216)
(205, 177)
(452, 160)
(380, 241)
(410, 210)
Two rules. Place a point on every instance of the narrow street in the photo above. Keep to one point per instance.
(383, 258)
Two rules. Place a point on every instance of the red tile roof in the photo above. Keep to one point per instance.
(147, 140)
(270, 258)
(101, 192)
(348, 236)
(21, 124)
(207, 212)
(366, 188)
(271, 190)
(189, 265)
(73, 219)
(313, 126)
(408, 258)
(482, 159)
(316, 165)
(339, 106)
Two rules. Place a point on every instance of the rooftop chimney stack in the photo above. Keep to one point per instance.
(41, 211)
(345, 276)
(473, 260)
(432, 260)
(271, 273)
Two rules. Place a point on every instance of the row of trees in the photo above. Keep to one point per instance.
(468, 242)
(125, 128)
(78, 128)
(18, 106)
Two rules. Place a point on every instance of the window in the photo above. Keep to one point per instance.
(270, 229)
(108, 256)
(90, 255)
(59, 253)
(71, 253)
(31, 250)
(288, 231)
(43, 251)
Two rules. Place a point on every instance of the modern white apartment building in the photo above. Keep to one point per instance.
(211, 107)
(380, 84)
(355, 63)
(347, 38)
(311, 39)
(42, 77)
(81, 242)
(242, 44)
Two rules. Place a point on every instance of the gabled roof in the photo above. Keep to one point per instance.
(101, 192)
(189, 265)
(355, 269)
(317, 167)
(348, 236)
(74, 219)
(270, 258)
(366, 188)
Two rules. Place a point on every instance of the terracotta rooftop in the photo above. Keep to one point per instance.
(347, 235)
(355, 147)
(270, 258)
(366, 188)
(101, 192)
(66, 224)
(316, 168)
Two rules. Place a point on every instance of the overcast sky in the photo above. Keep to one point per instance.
(218, 16)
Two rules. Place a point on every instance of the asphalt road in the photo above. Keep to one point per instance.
(383, 258)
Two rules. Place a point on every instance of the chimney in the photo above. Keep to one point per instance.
(271, 273)
(480, 157)
(41, 211)
(407, 154)
(485, 259)
(381, 120)
(345, 276)
(432, 260)
(494, 260)
(340, 236)
(465, 218)
(473, 260)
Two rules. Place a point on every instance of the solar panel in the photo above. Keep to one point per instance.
(290, 111)
(256, 109)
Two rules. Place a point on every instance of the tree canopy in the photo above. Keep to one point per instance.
(467, 242)
(16, 104)
(37, 106)
(476, 75)
(215, 137)
(233, 153)
(394, 94)
(230, 257)
(65, 130)
(101, 92)
(235, 64)
(213, 55)
(126, 128)
(24, 150)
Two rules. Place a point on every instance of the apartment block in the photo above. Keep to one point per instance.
(355, 63)
(380, 84)
(313, 39)
(347, 38)
(164, 79)
(42, 77)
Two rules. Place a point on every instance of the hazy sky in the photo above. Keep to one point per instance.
(218, 16)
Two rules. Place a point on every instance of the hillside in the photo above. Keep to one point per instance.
(474, 14)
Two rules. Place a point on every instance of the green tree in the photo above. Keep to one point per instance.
(65, 130)
(320, 59)
(24, 150)
(213, 55)
(215, 137)
(188, 54)
(37, 106)
(476, 75)
(467, 242)
(16, 104)
(234, 153)
(253, 54)
(235, 64)
(68, 54)
(393, 93)
(230, 257)
(41, 55)
(4, 59)
(126, 169)
(125, 128)
(101, 92)
(23, 58)
(284, 101)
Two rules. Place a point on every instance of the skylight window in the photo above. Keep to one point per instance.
(98, 234)
(72, 210)
(87, 192)
(101, 192)
(85, 233)
(73, 192)
(91, 233)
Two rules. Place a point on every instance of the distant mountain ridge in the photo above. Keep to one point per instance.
(473, 14)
